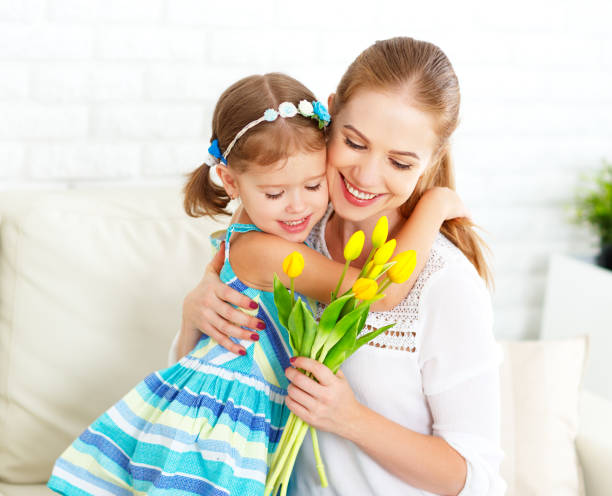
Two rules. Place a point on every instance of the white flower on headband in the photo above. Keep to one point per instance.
(270, 115)
(287, 109)
(305, 108)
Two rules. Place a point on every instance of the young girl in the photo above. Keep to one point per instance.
(208, 424)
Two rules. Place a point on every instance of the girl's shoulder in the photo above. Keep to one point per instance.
(255, 256)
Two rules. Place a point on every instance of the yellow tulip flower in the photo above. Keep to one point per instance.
(380, 233)
(293, 265)
(365, 289)
(384, 252)
(354, 246)
(374, 271)
(405, 263)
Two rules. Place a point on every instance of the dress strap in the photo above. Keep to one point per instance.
(239, 228)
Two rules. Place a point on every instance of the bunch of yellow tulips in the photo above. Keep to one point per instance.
(335, 337)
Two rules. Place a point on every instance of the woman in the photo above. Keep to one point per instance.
(417, 412)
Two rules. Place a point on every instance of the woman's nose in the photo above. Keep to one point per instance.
(367, 171)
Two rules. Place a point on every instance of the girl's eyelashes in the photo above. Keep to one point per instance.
(278, 195)
(352, 144)
(274, 197)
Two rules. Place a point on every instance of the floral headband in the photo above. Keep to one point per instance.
(315, 110)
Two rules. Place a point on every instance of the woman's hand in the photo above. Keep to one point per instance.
(329, 404)
(450, 202)
(207, 309)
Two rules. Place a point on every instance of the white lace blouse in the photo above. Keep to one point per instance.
(435, 372)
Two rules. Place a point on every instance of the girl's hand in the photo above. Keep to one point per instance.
(207, 309)
(329, 404)
(450, 202)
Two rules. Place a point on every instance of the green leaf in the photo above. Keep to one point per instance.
(310, 331)
(328, 320)
(593, 204)
(295, 325)
(366, 338)
(282, 300)
(385, 268)
(347, 326)
(335, 358)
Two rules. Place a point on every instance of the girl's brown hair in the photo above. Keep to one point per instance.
(422, 72)
(264, 144)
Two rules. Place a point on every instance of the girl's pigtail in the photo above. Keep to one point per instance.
(203, 196)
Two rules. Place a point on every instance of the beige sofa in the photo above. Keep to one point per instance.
(91, 285)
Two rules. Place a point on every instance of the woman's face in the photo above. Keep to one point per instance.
(378, 148)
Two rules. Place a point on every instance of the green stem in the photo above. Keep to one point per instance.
(335, 293)
(384, 285)
(280, 462)
(283, 440)
(303, 429)
(317, 454)
(292, 293)
(361, 274)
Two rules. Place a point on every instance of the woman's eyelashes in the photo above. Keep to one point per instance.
(353, 145)
(276, 196)
(395, 163)
(400, 165)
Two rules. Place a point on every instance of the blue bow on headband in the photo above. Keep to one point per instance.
(215, 151)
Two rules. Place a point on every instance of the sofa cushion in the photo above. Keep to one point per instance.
(91, 289)
(540, 392)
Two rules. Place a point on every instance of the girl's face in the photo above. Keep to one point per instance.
(285, 199)
(378, 148)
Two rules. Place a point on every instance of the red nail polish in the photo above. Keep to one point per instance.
(293, 359)
(253, 305)
(255, 337)
(261, 325)
(242, 352)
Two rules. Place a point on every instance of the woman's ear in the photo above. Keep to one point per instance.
(228, 178)
(330, 102)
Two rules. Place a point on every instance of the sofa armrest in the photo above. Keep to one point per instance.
(594, 443)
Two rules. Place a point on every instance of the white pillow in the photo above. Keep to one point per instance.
(540, 382)
(91, 289)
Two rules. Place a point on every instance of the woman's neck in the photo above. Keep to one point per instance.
(338, 231)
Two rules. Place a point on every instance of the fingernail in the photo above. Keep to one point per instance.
(293, 359)
(253, 305)
(242, 352)
(255, 337)
(261, 325)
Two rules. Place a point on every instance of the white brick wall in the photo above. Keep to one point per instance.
(116, 91)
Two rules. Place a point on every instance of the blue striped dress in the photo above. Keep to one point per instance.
(206, 425)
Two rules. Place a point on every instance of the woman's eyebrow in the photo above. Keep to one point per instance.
(352, 128)
(395, 152)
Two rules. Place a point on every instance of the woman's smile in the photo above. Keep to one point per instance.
(356, 195)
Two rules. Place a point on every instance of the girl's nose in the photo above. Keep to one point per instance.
(296, 202)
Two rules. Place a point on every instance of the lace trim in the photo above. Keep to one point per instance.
(405, 316)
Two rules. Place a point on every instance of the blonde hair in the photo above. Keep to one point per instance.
(265, 144)
(422, 71)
